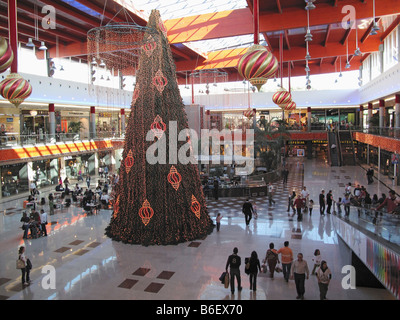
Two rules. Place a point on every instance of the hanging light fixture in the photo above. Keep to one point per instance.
(357, 52)
(30, 43)
(42, 46)
(347, 54)
(94, 62)
(310, 5)
(375, 27)
(308, 36)
(102, 64)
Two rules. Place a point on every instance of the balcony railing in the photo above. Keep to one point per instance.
(8, 140)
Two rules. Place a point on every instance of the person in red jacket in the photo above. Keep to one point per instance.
(299, 204)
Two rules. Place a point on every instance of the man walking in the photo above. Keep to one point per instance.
(286, 259)
(247, 210)
(234, 262)
(300, 273)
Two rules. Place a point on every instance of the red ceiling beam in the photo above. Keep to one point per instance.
(230, 58)
(106, 13)
(328, 31)
(368, 31)
(278, 4)
(238, 22)
(347, 33)
(287, 39)
(389, 29)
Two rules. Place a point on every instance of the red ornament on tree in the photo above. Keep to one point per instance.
(195, 207)
(160, 81)
(174, 178)
(129, 161)
(149, 46)
(158, 127)
(146, 212)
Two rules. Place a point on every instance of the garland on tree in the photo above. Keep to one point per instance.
(157, 204)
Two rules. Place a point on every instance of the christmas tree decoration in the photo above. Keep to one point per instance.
(158, 127)
(116, 207)
(15, 89)
(290, 106)
(6, 55)
(129, 161)
(174, 178)
(146, 212)
(160, 81)
(195, 207)
(258, 65)
(160, 202)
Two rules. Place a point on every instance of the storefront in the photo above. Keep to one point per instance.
(73, 123)
(78, 164)
(14, 179)
(107, 123)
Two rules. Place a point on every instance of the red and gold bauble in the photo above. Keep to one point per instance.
(290, 106)
(249, 113)
(129, 161)
(146, 212)
(195, 207)
(257, 65)
(6, 55)
(158, 127)
(15, 89)
(282, 98)
(149, 46)
(174, 178)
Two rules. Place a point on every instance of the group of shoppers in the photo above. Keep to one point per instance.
(296, 270)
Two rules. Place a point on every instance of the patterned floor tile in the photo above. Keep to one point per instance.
(166, 275)
(154, 287)
(128, 283)
(141, 272)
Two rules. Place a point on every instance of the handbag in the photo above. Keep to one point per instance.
(28, 264)
(226, 282)
(20, 264)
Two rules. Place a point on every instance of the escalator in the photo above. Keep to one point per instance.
(333, 152)
(346, 148)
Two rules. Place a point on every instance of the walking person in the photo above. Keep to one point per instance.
(310, 206)
(51, 204)
(271, 191)
(286, 259)
(324, 276)
(322, 203)
(329, 201)
(305, 196)
(247, 210)
(253, 270)
(291, 198)
(317, 260)
(299, 272)
(88, 181)
(299, 204)
(25, 224)
(25, 271)
(218, 220)
(271, 258)
(234, 262)
(346, 205)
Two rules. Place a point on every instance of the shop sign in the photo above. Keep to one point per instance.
(74, 114)
(319, 142)
(10, 119)
(296, 142)
(105, 114)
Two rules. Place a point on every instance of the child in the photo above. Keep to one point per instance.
(219, 217)
(317, 260)
(310, 206)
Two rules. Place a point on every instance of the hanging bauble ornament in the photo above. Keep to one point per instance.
(249, 113)
(160, 81)
(195, 207)
(146, 212)
(6, 55)
(15, 89)
(290, 106)
(174, 178)
(282, 98)
(257, 65)
(158, 127)
(129, 161)
(149, 45)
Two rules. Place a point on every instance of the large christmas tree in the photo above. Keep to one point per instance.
(156, 203)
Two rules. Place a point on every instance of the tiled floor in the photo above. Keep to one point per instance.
(88, 265)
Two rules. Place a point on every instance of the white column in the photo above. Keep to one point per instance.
(309, 118)
(92, 123)
(52, 123)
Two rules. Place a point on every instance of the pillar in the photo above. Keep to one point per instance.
(309, 118)
(397, 112)
(92, 123)
(370, 107)
(361, 118)
(13, 33)
(122, 122)
(381, 113)
(52, 123)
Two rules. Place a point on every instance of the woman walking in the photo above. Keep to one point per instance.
(324, 276)
(253, 270)
(271, 258)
